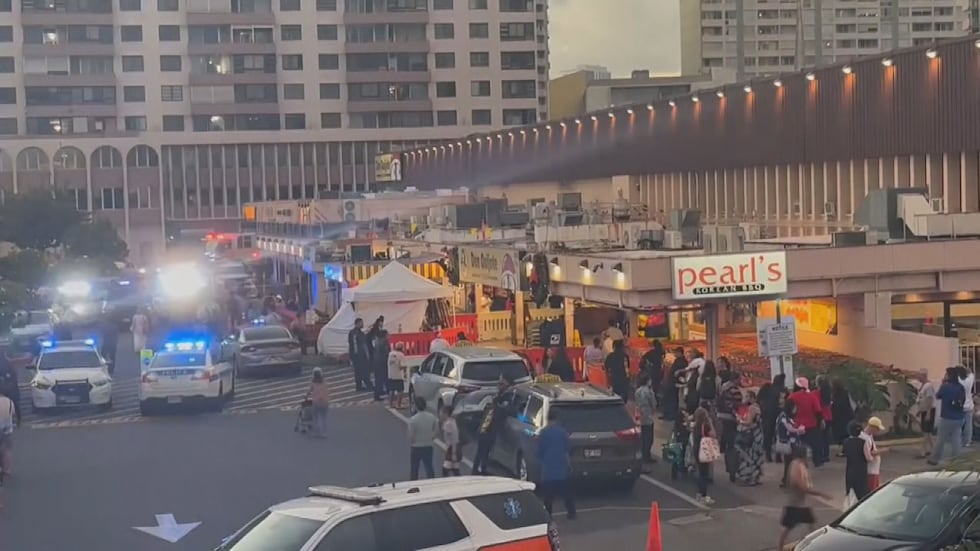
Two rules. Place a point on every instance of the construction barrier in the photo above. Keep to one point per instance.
(417, 344)
(470, 323)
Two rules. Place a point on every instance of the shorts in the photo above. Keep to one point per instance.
(927, 420)
(453, 457)
(396, 386)
(794, 516)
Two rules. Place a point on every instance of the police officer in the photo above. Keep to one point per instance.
(8, 383)
(110, 340)
(493, 419)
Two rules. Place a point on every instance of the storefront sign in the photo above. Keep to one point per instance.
(488, 266)
(730, 275)
(388, 167)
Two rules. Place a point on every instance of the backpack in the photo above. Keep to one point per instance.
(958, 401)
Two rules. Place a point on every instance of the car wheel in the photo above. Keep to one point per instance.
(219, 402)
(145, 409)
(521, 470)
(231, 393)
(411, 400)
(106, 406)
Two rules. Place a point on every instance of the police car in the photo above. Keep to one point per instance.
(70, 373)
(185, 373)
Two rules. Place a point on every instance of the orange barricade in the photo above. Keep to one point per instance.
(417, 344)
(469, 324)
(577, 356)
(597, 377)
(535, 356)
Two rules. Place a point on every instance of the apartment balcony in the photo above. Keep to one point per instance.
(97, 110)
(231, 48)
(69, 48)
(210, 79)
(386, 17)
(230, 18)
(53, 18)
(354, 77)
(234, 108)
(360, 106)
(420, 46)
(47, 79)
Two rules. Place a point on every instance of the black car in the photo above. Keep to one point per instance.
(927, 511)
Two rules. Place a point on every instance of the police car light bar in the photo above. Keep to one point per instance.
(48, 343)
(184, 346)
(258, 321)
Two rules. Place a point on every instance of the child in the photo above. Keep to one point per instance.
(450, 434)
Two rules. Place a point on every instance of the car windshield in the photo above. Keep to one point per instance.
(593, 417)
(273, 532)
(39, 318)
(490, 371)
(179, 359)
(908, 512)
(63, 359)
(266, 333)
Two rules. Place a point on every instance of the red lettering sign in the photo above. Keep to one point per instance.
(729, 275)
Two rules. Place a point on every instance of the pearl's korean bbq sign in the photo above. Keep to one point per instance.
(729, 275)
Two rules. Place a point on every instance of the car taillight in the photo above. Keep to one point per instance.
(248, 349)
(628, 434)
(149, 378)
(204, 375)
(467, 388)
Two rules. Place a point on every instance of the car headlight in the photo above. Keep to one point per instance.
(41, 383)
(100, 381)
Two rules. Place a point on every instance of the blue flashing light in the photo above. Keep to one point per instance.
(258, 321)
(90, 342)
(125, 282)
(47, 344)
(184, 346)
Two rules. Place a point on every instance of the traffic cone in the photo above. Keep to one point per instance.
(654, 542)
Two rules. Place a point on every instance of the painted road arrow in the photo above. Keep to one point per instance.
(167, 528)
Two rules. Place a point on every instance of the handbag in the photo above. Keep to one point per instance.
(782, 448)
(709, 451)
(850, 500)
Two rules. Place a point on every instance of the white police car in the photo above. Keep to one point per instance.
(69, 374)
(185, 373)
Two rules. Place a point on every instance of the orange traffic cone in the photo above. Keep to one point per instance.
(654, 542)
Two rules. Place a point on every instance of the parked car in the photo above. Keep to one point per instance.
(260, 347)
(445, 374)
(925, 511)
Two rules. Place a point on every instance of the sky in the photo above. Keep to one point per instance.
(622, 35)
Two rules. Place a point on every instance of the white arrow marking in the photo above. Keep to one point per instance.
(167, 528)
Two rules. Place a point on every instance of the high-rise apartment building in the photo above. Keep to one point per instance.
(757, 37)
(162, 115)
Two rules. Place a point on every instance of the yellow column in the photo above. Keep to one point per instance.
(520, 332)
(569, 320)
(477, 295)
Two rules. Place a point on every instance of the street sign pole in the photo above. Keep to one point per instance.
(779, 319)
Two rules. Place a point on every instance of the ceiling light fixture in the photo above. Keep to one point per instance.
(887, 62)
(777, 83)
(931, 53)
(811, 77)
(720, 94)
(672, 103)
(695, 99)
(747, 88)
(847, 69)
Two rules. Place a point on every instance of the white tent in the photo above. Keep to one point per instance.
(395, 292)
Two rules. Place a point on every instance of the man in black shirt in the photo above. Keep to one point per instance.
(493, 419)
(357, 348)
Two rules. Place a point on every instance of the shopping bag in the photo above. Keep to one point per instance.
(709, 452)
(850, 500)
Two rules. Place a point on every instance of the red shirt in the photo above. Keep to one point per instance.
(828, 414)
(807, 408)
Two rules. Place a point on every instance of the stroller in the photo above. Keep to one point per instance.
(304, 417)
(675, 452)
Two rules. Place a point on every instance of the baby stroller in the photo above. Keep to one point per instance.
(675, 451)
(304, 417)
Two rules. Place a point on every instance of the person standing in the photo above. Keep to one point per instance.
(748, 442)
(140, 327)
(423, 427)
(872, 453)
(553, 457)
(788, 437)
(652, 363)
(968, 380)
(560, 365)
(855, 463)
(694, 371)
(593, 355)
(612, 335)
(808, 416)
(319, 397)
(674, 382)
(707, 387)
(952, 413)
(493, 418)
(7, 424)
(797, 511)
(396, 376)
(357, 348)
(110, 341)
(9, 385)
(842, 409)
(371, 336)
(769, 398)
(702, 429)
(450, 435)
(729, 402)
(925, 405)
(382, 349)
(438, 343)
(646, 405)
(617, 371)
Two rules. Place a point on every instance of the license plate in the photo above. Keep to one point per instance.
(174, 399)
(593, 452)
(71, 399)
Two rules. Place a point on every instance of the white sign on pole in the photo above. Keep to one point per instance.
(776, 339)
(787, 368)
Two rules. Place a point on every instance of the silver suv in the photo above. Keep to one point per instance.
(447, 373)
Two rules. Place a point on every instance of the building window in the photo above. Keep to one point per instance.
(326, 32)
(517, 60)
(137, 124)
(171, 92)
(131, 33)
(292, 62)
(480, 88)
(288, 5)
(134, 94)
(445, 89)
(478, 4)
(516, 5)
(290, 32)
(518, 117)
(326, 5)
(444, 31)
(479, 30)
(445, 60)
(170, 63)
(130, 5)
(6, 33)
(442, 4)
(294, 121)
(132, 63)
(511, 89)
(479, 59)
(293, 91)
(446, 118)
(169, 33)
(480, 117)
(8, 96)
(328, 62)
(329, 120)
(6, 64)
(173, 123)
(167, 5)
(329, 90)
(516, 31)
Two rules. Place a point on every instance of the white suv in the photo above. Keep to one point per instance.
(449, 514)
(446, 373)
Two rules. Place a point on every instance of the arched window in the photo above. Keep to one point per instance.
(69, 158)
(32, 158)
(142, 156)
(107, 157)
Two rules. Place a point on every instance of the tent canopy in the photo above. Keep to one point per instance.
(396, 283)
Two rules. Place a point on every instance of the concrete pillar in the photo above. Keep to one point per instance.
(738, 184)
(917, 170)
(877, 310)
(569, 319)
(770, 195)
(712, 329)
(952, 184)
(477, 293)
(845, 176)
(934, 178)
(518, 320)
(903, 171)
(970, 175)
(872, 177)
(886, 172)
